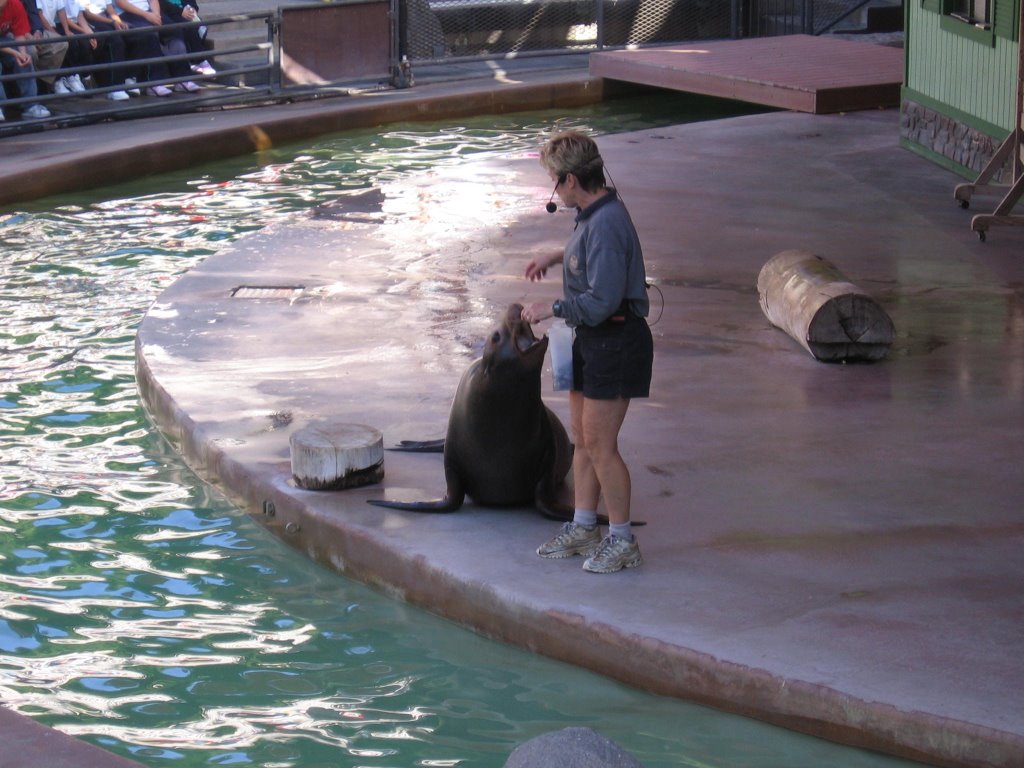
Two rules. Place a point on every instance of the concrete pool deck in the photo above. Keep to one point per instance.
(832, 548)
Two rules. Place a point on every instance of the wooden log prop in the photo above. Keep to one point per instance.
(810, 299)
(332, 455)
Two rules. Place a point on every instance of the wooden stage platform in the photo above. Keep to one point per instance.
(802, 73)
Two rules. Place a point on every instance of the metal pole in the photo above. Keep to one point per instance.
(274, 38)
(1018, 129)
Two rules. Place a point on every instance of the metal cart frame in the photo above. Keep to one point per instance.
(1011, 147)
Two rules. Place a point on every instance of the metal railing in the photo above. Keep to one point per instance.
(422, 32)
(83, 107)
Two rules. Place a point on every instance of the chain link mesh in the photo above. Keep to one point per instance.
(439, 29)
(434, 30)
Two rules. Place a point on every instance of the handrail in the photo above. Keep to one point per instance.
(265, 48)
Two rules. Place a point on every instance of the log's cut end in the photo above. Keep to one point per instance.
(810, 299)
(334, 455)
(850, 327)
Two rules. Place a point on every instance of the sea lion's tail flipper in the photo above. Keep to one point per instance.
(435, 505)
(553, 509)
(419, 446)
(396, 498)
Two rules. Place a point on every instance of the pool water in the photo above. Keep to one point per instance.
(142, 612)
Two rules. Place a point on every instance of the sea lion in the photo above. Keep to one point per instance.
(503, 447)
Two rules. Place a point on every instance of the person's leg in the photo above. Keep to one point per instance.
(26, 87)
(48, 55)
(582, 535)
(585, 482)
(601, 467)
(600, 423)
(111, 50)
(79, 55)
(4, 69)
(145, 45)
(172, 43)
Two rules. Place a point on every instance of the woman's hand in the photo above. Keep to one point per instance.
(537, 311)
(538, 267)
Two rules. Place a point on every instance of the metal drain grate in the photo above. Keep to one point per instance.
(267, 291)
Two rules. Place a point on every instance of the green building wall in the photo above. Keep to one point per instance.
(959, 92)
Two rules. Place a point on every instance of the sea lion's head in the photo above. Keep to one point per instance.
(513, 343)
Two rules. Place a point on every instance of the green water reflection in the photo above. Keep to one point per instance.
(143, 613)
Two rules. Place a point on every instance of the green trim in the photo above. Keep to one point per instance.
(990, 129)
(1007, 19)
(934, 6)
(969, 31)
(935, 157)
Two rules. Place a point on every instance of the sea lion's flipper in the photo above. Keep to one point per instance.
(435, 505)
(553, 509)
(454, 496)
(420, 446)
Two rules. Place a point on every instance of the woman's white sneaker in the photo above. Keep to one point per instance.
(571, 539)
(614, 554)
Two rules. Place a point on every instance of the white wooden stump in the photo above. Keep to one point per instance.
(333, 455)
(811, 300)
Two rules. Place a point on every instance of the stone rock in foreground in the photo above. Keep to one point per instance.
(571, 748)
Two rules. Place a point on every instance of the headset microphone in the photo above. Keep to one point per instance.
(551, 207)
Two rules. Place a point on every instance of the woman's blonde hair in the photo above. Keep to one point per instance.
(576, 153)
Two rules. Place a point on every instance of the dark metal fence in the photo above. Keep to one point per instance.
(261, 59)
(439, 30)
(423, 31)
(436, 30)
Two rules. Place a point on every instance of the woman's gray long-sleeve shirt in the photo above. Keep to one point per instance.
(603, 265)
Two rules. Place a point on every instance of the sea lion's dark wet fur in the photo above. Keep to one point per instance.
(504, 447)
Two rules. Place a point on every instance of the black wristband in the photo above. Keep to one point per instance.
(556, 308)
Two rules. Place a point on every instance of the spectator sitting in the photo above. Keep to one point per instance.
(45, 55)
(176, 11)
(17, 59)
(74, 18)
(46, 13)
(145, 14)
(110, 22)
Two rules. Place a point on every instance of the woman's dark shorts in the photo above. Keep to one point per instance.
(613, 360)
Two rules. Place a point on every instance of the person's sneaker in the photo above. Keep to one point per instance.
(614, 554)
(75, 83)
(35, 112)
(572, 539)
(188, 86)
(130, 87)
(203, 68)
(118, 96)
(159, 90)
(61, 86)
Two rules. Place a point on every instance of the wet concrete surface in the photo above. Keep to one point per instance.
(28, 744)
(833, 548)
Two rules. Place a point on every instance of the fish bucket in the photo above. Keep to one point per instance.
(560, 345)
